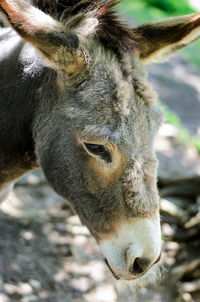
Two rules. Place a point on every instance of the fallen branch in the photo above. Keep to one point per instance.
(189, 187)
(186, 268)
(194, 221)
(169, 208)
(190, 287)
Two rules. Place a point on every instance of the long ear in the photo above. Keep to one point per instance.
(160, 39)
(43, 32)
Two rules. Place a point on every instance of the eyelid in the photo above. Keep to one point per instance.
(104, 154)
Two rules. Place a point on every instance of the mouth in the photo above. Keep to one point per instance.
(117, 277)
(158, 259)
(113, 273)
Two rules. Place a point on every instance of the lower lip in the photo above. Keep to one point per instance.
(159, 257)
(115, 275)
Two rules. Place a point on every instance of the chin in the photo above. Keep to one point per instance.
(150, 279)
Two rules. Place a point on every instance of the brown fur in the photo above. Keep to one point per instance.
(96, 84)
(111, 32)
(159, 35)
(21, 166)
(109, 173)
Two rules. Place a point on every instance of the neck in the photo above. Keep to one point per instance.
(20, 80)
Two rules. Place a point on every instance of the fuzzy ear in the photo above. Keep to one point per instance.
(160, 39)
(45, 33)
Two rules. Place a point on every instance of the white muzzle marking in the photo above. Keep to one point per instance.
(140, 239)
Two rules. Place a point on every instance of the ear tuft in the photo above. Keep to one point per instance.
(88, 27)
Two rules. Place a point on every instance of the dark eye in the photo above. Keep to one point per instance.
(99, 150)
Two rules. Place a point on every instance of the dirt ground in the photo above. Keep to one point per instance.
(45, 253)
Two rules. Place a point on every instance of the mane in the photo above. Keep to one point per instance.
(111, 31)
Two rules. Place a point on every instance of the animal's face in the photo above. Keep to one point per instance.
(95, 141)
(97, 152)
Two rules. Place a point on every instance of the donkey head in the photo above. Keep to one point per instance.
(95, 126)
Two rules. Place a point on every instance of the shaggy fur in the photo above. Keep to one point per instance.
(111, 32)
(81, 80)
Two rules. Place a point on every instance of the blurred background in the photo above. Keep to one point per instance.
(45, 253)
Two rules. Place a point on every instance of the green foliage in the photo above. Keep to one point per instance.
(149, 10)
(171, 117)
(171, 6)
(183, 134)
(139, 11)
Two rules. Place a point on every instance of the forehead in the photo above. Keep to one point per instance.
(116, 102)
(117, 84)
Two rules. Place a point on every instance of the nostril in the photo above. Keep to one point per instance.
(137, 268)
(140, 265)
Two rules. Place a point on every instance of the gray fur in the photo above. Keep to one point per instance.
(48, 112)
(55, 119)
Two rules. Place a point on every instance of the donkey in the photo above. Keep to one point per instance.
(75, 101)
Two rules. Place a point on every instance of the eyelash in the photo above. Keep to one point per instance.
(99, 150)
